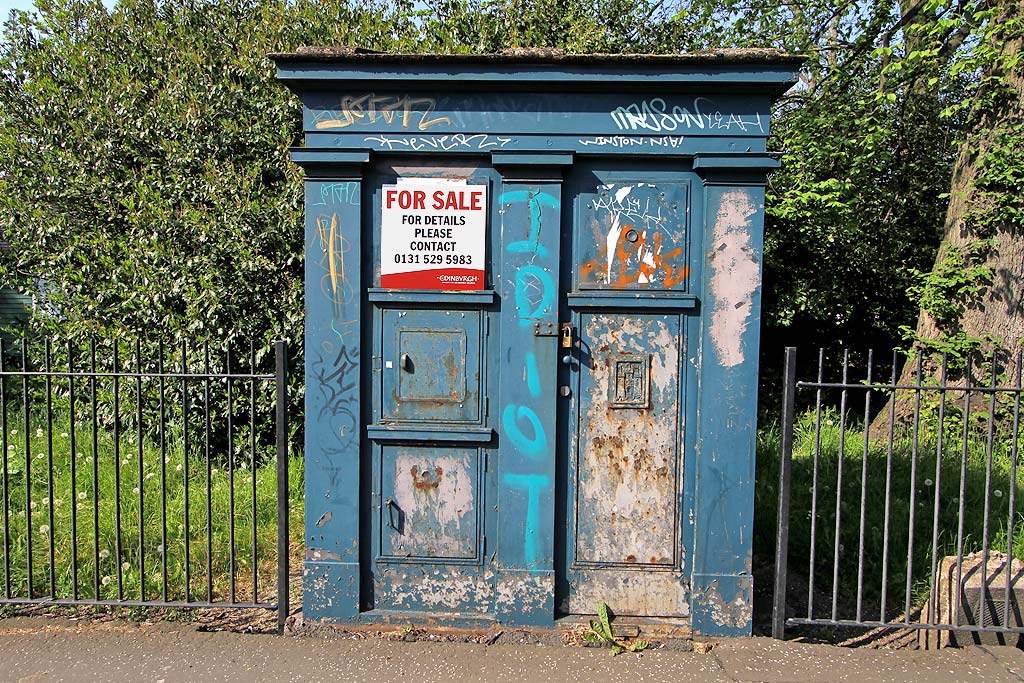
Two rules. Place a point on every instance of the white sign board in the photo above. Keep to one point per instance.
(432, 234)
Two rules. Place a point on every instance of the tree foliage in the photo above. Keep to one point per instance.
(146, 186)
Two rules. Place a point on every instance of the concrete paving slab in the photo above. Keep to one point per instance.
(763, 660)
(171, 655)
(42, 650)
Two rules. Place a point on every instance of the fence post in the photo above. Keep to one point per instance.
(785, 473)
(281, 382)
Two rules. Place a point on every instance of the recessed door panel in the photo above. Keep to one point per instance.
(632, 235)
(431, 366)
(431, 504)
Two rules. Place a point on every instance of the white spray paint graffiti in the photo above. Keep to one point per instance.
(621, 141)
(443, 143)
(656, 116)
(629, 212)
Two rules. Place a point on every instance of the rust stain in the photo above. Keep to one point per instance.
(451, 367)
(423, 481)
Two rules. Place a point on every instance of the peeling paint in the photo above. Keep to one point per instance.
(435, 494)
(320, 555)
(632, 593)
(628, 471)
(732, 614)
(735, 275)
(523, 592)
(435, 587)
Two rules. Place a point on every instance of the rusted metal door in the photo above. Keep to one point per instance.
(624, 381)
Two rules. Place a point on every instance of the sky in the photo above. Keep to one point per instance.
(7, 5)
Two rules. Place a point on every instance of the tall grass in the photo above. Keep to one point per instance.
(92, 539)
(958, 488)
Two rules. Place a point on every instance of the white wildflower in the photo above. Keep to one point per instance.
(32, 505)
(104, 554)
(178, 468)
(927, 482)
(82, 495)
(39, 456)
(46, 500)
(997, 493)
(44, 529)
(64, 435)
(39, 432)
(106, 580)
(125, 566)
(14, 432)
(135, 490)
(150, 475)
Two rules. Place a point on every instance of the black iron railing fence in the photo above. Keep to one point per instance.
(898, 499)
(144, 476)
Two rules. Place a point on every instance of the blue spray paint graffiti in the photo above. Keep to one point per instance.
(530, 264)
(533, 448)
(532, 484)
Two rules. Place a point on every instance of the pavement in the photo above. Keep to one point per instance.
(44, 649)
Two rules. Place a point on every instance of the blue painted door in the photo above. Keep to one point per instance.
(625, 381)
(430, 439)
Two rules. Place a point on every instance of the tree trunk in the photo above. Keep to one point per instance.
(994, 310)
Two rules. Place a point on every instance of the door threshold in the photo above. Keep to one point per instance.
(404, 618)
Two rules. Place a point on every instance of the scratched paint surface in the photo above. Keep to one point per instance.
(433, 510)
(627, 475)
(332, 396)
(735, 275)
(633, 235)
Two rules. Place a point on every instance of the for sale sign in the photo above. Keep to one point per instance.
(433, 234)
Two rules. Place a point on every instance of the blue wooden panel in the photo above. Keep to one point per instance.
(530, 234)
(459, 143)
(333, 366)
(429, 433)
(420, 113)
(657, 73)
(733, 246)
(431, 365)
(632, 234)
